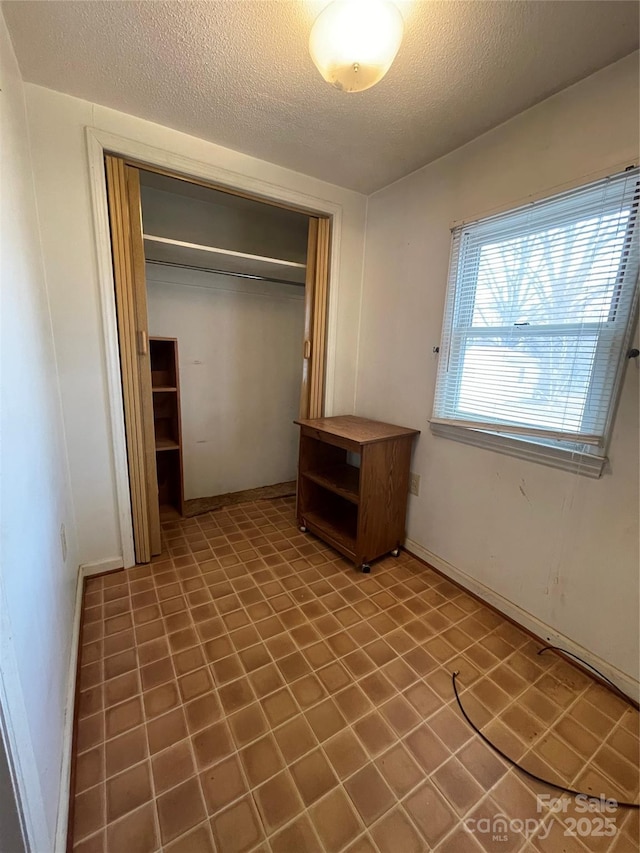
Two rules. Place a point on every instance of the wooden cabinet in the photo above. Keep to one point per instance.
(165, 387)
(353, 483)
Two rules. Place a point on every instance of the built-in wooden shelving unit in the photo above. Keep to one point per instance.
(165, 384)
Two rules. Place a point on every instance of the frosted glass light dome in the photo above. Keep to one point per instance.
(354, 42)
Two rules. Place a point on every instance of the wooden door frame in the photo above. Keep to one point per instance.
(99, 143)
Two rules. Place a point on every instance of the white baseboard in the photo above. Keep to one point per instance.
(629, 685)
(62, 822)
(101, 566)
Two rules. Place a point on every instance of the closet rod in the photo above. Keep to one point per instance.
(226, 272)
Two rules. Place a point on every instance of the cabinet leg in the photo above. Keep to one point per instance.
(395, 552)
(365, 568)
(302, 528)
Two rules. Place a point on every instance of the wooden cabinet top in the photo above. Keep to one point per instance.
(358, 430)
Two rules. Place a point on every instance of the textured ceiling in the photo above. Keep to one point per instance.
(237, 72)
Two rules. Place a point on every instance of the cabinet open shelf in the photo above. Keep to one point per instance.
(159, 389)
(339, 528)
(342, 479)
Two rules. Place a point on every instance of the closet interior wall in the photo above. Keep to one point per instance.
(238, 316)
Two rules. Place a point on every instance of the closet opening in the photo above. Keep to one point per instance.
(221, 304)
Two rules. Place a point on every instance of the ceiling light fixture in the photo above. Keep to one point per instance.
(354, 42)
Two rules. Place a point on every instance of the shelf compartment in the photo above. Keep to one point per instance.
(169, 480)
(329, 515)
(341, 479)
(339, 527)
(163, 363)
(318, 456)
(166, 428)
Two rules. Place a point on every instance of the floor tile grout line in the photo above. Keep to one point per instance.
(365, 676)
(303, 647)
(317, 746)
(183, 578)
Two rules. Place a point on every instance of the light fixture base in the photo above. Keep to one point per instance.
(354, 42)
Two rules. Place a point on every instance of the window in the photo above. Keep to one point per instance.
(538, 317)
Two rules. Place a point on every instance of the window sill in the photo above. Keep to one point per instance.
(585, 464)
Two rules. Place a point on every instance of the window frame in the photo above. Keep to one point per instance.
(587, 457)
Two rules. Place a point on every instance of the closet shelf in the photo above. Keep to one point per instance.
(166, 444)
(163, 388)
(181, 253)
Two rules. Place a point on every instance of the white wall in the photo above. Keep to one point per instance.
(259, 229)
(57, 124)
(37, 587)
(561, 547)
(240, 352)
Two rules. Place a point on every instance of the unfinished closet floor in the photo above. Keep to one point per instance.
(250, 690)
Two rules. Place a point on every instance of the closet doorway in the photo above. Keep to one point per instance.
(221, 304)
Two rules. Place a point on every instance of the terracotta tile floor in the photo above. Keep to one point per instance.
(250, 690)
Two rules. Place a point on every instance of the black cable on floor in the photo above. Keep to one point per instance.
(593, 668)
(522, 769)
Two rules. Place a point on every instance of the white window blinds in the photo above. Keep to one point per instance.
(538, 315)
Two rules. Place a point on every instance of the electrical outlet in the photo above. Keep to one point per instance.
(414, 483)
(63, 542)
